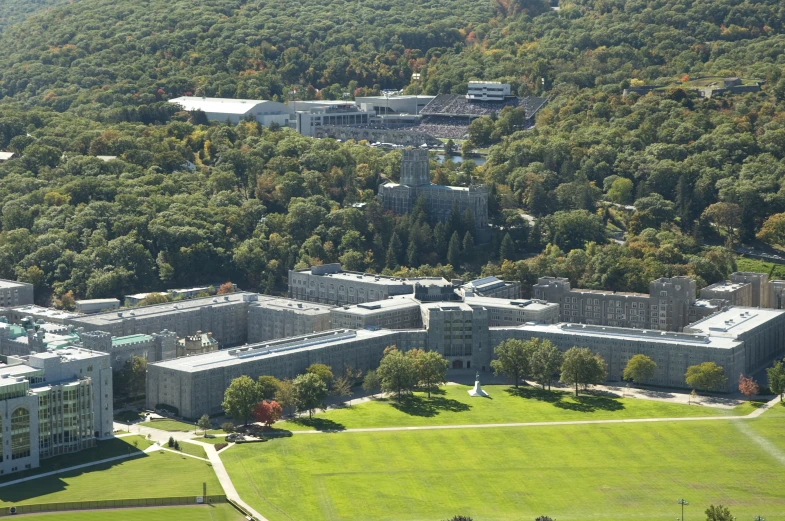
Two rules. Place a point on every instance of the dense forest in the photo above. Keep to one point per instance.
(15, 11)
(673, 178)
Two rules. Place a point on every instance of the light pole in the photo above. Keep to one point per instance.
(682, 502)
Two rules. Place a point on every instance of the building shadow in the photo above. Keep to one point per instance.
(584, 403)
(425, 407)
(535, 393)
(320, 424)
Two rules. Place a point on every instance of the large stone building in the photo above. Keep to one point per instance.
(740, 340)
(416, 182)
(668, 306)
(401, 312)
(225, 316)
(492, 287)
(52, 403)
(195, 385)
(273, 318)
(14, 293)
(736, 293)
(502, 312)
(122, 349)
(329, 284)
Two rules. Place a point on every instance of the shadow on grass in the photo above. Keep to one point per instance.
(422, 406)
(320, 424)
(534, 393)
(590, 404)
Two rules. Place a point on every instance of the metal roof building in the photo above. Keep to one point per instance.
(235, 110)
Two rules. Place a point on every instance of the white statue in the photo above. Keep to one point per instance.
(477, 391)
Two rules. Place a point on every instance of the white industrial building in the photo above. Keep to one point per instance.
(487, 91)
(236, 110)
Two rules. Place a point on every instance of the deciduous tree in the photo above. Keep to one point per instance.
(310, 391)
(371, 382)
(581, 367)
(707, 376)
(718, 513)
(204, 423)
(512, 360)
(267, 412)
(544, 361)
(240, 398)
(431, 369)
(286, 396)
(747, 386)
(268, 386)
(397, 372)
(322, 371)
(776, 376)
(639, 368)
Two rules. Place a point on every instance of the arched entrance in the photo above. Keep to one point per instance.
(457, 364)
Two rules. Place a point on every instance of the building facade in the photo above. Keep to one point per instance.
(502, 312)
(736, 293)
(14, 293)
(400, 198)
(667, 307)
(329, 284)
(392, 313)
(492, 287)
(122, 350)
(273, 318)
(52, 403)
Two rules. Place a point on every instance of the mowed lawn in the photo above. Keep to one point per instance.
(157, 474)
(222, 512)
(608, 472)
(453, 405)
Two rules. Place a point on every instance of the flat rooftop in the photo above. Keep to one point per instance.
(225, 105)
(130, 339)
(272, 348)
(447, 306)
(98, 301)
(516, 304)
(734, 321)
(299, 306)
(390, 304)
(726, 286)
(623, 333)
(11, 284)
(363, 277)
(33, 310)
(112, 317)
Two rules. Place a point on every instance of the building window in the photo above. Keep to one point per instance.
(20, 433)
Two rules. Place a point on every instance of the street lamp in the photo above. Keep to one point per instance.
(682, 502)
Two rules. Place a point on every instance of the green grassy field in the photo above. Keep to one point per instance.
(775, 271)
(506, 405)
(160, 474)
(609, 472)
(192, 449)
(170, 425)
(187, 513)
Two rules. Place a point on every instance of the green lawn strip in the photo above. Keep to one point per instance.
(192, 449)
(608, 472)
(505, 405)
(212, 441)
(217, 512)
(170, 425)
(103, 450)
(157, 474)
(776, 271)
(128, 416)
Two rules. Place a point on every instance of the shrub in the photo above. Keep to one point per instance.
(227, 427)
(176, 445)
(171, 442)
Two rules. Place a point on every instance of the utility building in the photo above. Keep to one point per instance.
(236, 110)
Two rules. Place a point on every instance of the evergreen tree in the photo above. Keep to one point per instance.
(391, 259)
(454, 250)
(507, 249)
(468, 247)
(494, 202)
(412, 255)
(537, 202)
(440, 239)
(456, 221)
(468, 222)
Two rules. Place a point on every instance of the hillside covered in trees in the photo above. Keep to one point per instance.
(188, 203)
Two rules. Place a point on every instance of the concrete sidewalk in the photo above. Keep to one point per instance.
(225, 480)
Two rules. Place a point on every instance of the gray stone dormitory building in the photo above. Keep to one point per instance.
(416, 182)
(741, 340)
